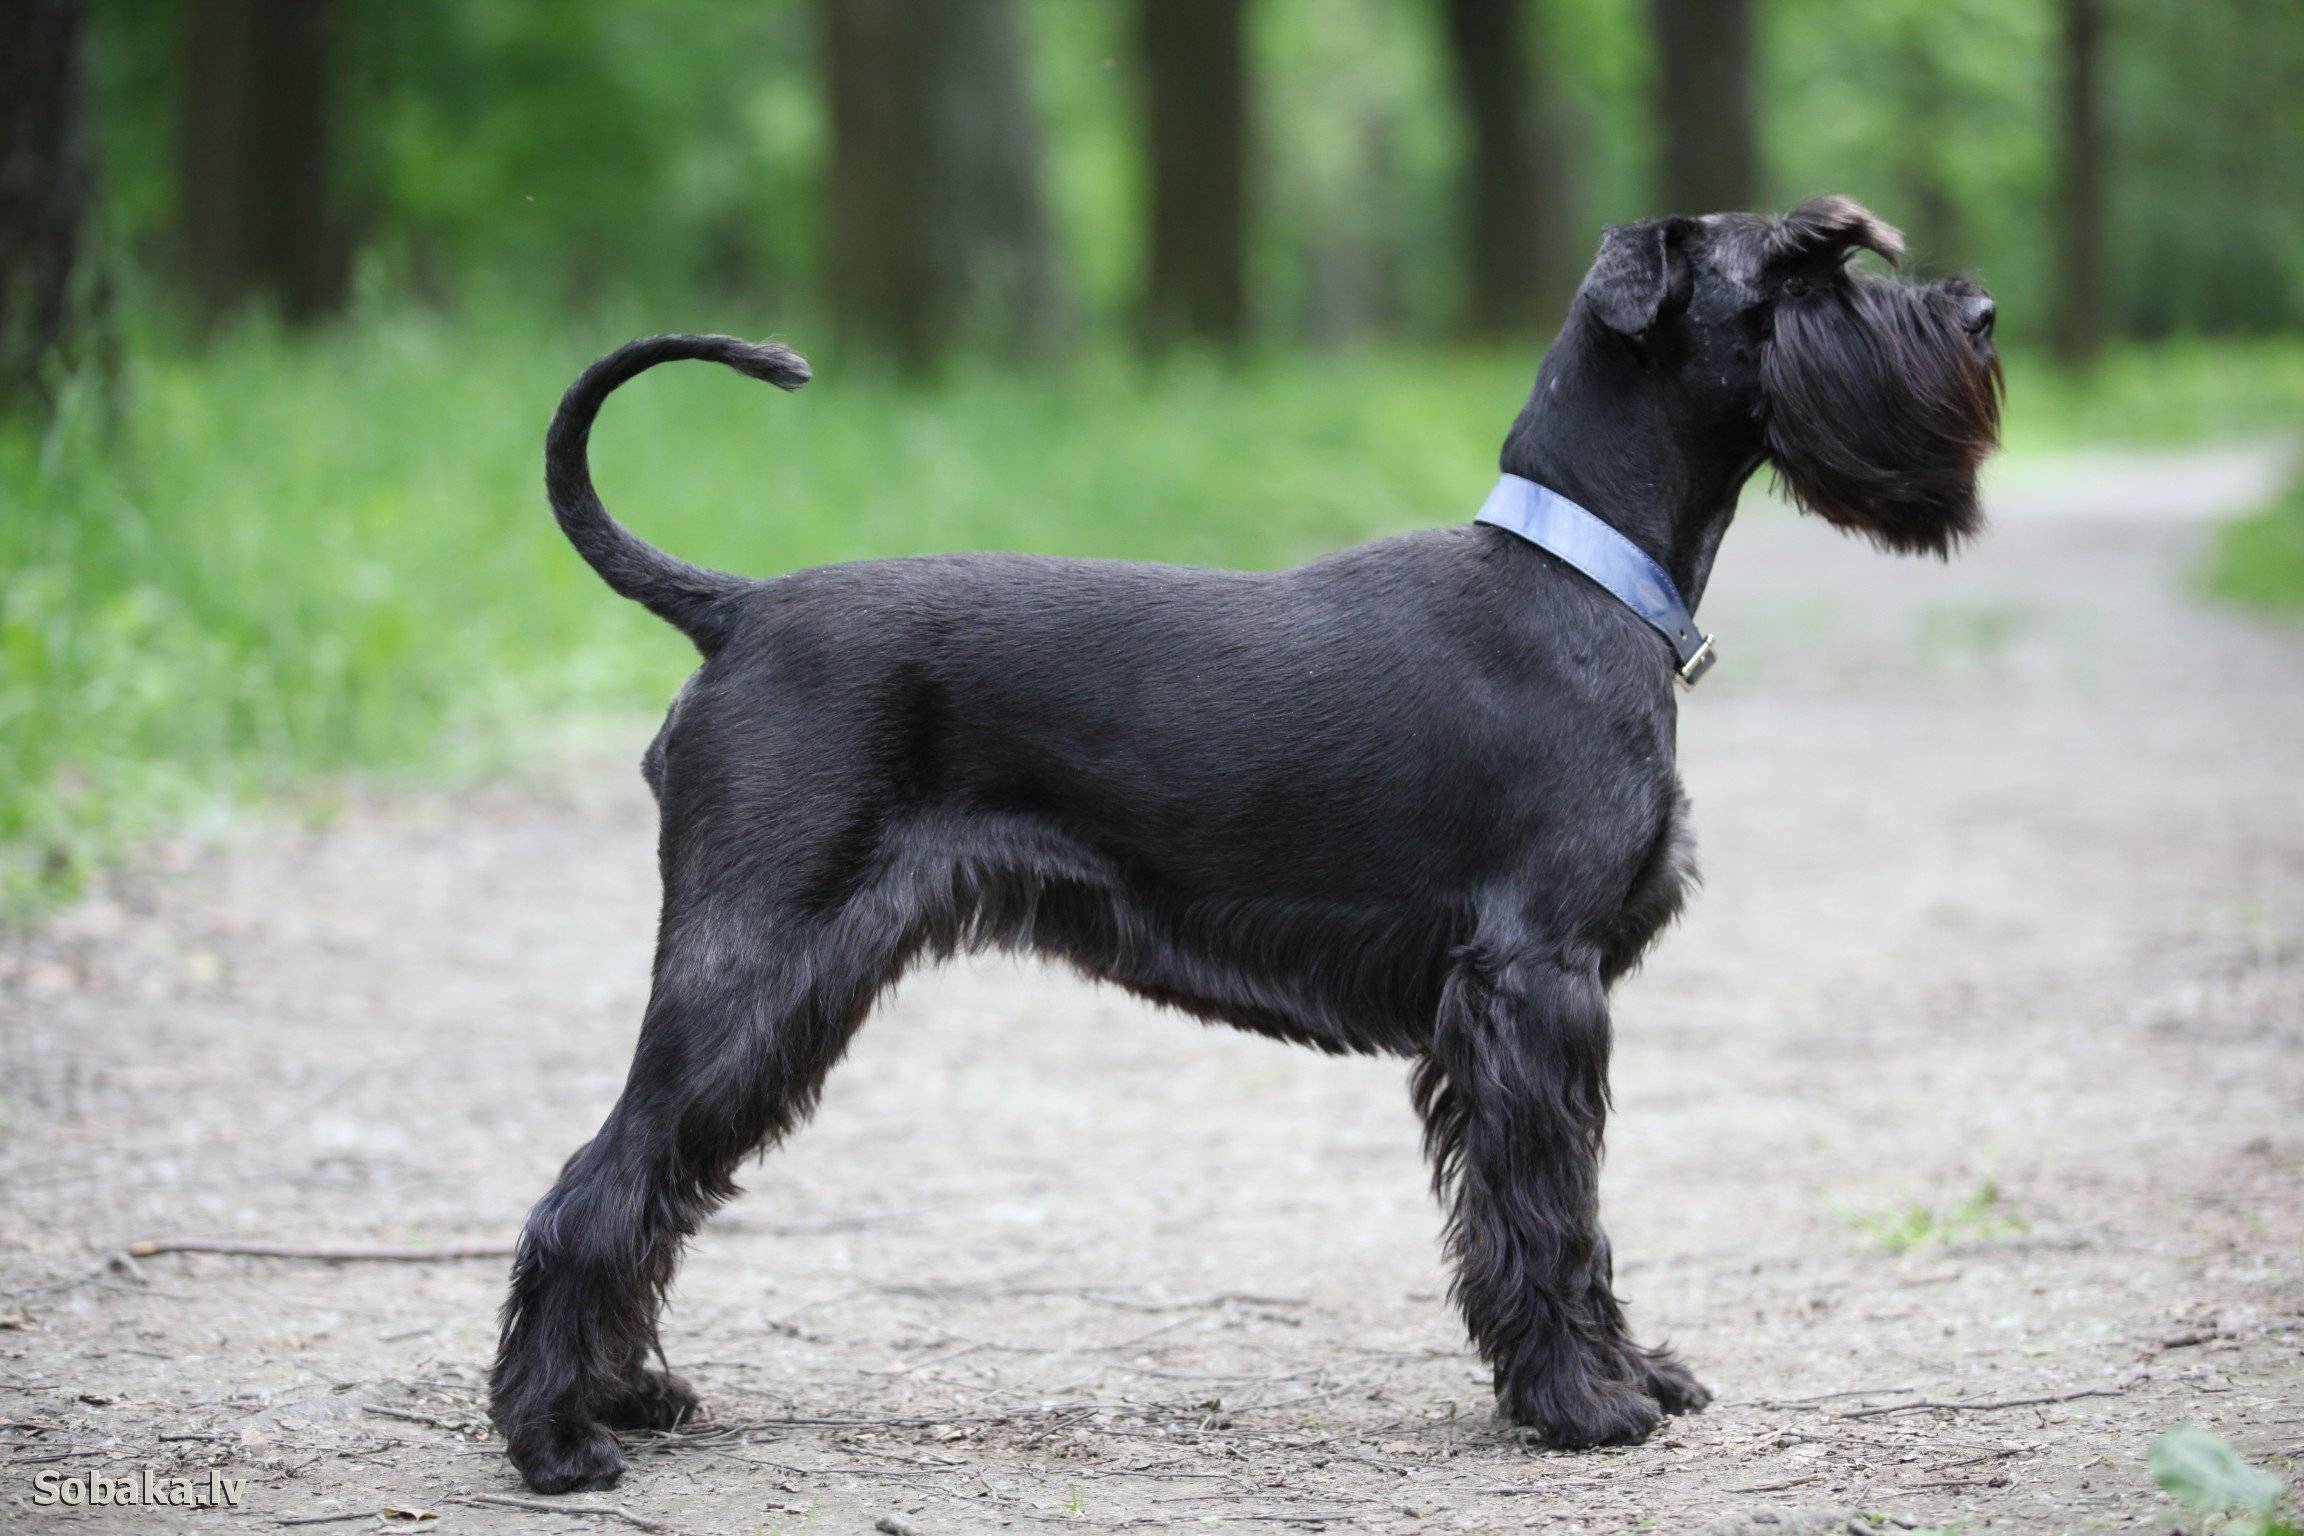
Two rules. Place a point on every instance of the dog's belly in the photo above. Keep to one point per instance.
(1359, 978)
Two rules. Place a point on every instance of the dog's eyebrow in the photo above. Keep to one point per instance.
(1823, 222)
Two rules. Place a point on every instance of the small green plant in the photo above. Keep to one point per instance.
(1902, 1228)
(2201, 1471)
(1968, 637)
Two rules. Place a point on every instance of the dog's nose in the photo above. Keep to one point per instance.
(1980, 311)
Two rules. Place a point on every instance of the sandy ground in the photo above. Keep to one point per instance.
(1973, 1079)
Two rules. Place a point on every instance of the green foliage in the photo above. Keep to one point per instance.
(1361, 141)
(609, 149)
(605, 147)
(1902, 1228)
(2158, 395)
(2259, 559)
(2207, 98)
(2201, 1471)
(1086, 93)
(1934, 113)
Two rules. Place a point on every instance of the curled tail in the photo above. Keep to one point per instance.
(691, 599)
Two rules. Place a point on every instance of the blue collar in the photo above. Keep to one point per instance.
(1558, 526)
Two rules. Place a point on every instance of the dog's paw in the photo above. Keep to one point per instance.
(1584, 1414)
(1659, 1373)
(651, 1400)
(585, 1462)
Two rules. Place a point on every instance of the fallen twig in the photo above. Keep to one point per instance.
(2189, 1337)
(1790, 1482)
(2000, 1481)
(1186, 1304)
(411, 1416)
(1923, 1405)
(1135, 1339)
(350, 1514)
(1826, 1397)
(547, 1507)
(387, 1253)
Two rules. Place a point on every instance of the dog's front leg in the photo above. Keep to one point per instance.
(1514, 1094)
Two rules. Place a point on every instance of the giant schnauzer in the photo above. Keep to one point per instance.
(1417, 797)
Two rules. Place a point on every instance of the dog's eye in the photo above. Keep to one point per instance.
(1794, 287)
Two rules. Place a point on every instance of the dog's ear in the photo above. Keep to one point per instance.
(1833, 227)
(1641, 275)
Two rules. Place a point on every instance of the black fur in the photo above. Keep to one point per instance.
(1416, 798)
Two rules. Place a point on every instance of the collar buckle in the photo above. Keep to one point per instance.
(1691, 672)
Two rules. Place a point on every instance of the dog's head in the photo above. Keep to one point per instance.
(1876, 398)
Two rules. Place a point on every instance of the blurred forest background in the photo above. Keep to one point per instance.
(288, 287)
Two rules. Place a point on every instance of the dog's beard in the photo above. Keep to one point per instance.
(1880, 409)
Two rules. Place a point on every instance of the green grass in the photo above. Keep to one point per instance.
(2258, 560)
(1902, 1228)
(2163, 395)
(303, 557)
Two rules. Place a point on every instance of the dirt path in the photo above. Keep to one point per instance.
(1974, 1076)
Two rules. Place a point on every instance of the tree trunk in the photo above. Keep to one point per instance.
(880, 248)
(938, 230)
(1520, 258)
(1704, 100)
(2080, 171)
(52, 310)
(1195, 76)
(257, 220)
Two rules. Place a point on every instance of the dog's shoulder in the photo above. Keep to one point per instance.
(1502, 608)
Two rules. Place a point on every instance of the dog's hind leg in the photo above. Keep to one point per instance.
(746, 1017)
(1514, 1095)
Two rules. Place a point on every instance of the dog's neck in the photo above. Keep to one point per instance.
(1648, 477)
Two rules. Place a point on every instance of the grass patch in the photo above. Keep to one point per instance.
(1902, 1228)
(307, 556)
(2258, 560)
(2163, 395)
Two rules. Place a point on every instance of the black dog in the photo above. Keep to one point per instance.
(1417, 798)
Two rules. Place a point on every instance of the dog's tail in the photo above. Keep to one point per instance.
(693, 600)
